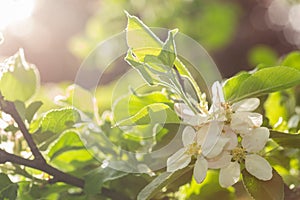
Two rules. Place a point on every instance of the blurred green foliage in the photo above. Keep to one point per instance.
(211, 23)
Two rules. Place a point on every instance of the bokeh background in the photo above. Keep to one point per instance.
(58, 34)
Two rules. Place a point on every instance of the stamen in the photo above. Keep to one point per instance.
(193, 149)
(238, 154)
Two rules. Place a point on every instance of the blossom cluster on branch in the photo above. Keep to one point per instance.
(226, 136)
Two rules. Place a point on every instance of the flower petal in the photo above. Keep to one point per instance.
(201, 134)
(178, 160)
(183, 110)
(188, 136)
(220, 161)
(217, 93)
(213, 139)
(200, 169)
(233, 140)
(243, 122)
(188, 116)
(230, 174)
(217, 149)
(246, 105)
(256, 140)
(258, 167)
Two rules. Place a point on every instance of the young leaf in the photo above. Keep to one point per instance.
(140, 38)
(286, 140)
(18, 79)
(161, 181)
(264, 81)
(143, 42)
(32, 109)
(267, 190)
(58, 120)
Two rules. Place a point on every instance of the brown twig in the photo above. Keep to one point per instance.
(10, 108)
(39, 161)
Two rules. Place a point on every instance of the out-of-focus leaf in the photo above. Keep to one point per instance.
(262, 54)
(279, 105)
(32, 109)
(8, 189)
(261, 82)
(292, 60)
(80, 98)
(161, 181)
(58, 120)
(19, 80)
(209, 189)
(267, 190)
(285, 139)
(96, 178)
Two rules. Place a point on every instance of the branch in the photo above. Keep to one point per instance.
(39, 161)
(10, 108)
(58, 176)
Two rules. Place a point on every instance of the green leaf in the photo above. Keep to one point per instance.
(68, 152)
(153, 113)
(141, 39)
(32, 109)
(161, 181)
(232, 83)
(143, 109)
(96, 178)
(131, 104)
(267, 190)
(8, 189)
(68, 141)
(292, 60)
(58, 120)
(18, 76)
(285, 139)
(264, 81)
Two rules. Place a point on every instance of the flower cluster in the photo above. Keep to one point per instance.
(226, 137)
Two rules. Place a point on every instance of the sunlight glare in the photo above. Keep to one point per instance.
(12, 11)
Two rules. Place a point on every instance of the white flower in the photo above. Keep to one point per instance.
(243, 121)
(213, 140)
(229, 161)
(193, 147)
